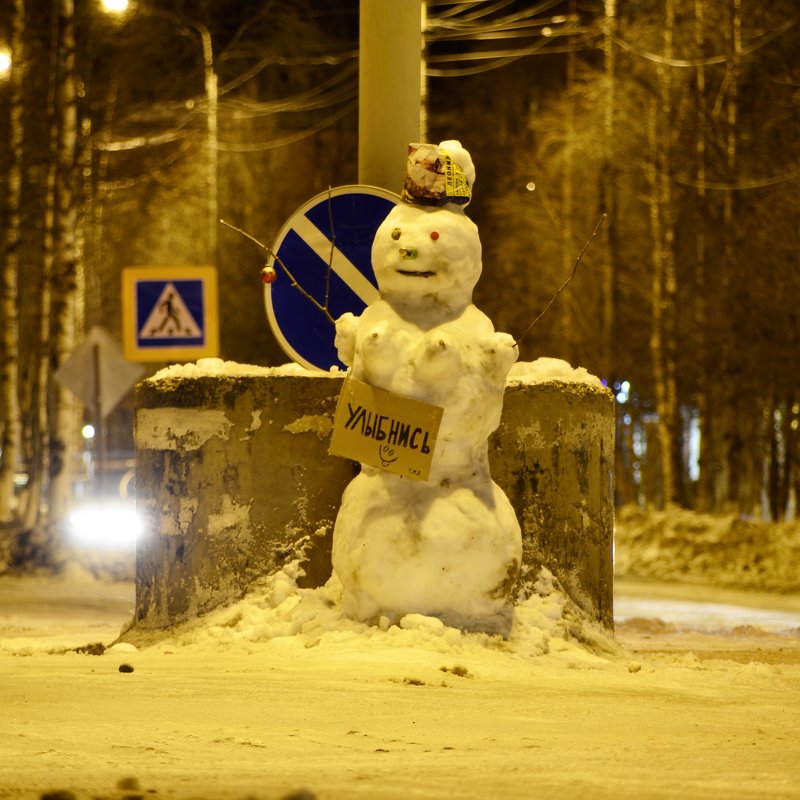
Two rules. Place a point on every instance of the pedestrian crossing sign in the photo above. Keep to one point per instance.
(170, 313)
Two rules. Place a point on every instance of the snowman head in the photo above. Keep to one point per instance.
(427, 256)
(427, 253)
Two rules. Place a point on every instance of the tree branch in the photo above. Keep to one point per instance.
(564, 285)
(279, 262)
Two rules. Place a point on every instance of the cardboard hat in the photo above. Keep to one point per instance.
(434, 178)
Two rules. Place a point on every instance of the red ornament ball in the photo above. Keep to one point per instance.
(434, 235)
(268, 274)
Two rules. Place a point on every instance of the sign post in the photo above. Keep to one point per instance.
(390, 98)
(98, 374)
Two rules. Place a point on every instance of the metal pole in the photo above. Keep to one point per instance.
(100, 437)
(389, 101)
(210, 87)
(210, 82)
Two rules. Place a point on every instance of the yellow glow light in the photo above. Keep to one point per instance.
(115, 6)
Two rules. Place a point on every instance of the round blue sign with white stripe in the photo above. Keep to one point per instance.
(326, 246)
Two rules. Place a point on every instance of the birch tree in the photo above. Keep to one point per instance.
(664, 284)
(64, 284)
(728, 108)
(9, 300)
(40, 383)
(705, 494)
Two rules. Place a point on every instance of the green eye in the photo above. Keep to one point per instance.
(396, 234)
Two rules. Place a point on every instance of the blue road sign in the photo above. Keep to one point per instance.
(327, 246)
(169, 313)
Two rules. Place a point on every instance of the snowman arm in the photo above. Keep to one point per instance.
(345, 341)
(499, 352)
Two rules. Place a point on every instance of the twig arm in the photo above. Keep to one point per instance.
(279, 262)
(566, 282)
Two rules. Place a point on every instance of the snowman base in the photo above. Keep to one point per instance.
(406, 547)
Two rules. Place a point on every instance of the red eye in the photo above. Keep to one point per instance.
(434, 235)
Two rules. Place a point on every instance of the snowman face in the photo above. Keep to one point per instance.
(422, 253)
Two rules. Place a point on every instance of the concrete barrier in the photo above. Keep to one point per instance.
(234, 480)
(553, 455)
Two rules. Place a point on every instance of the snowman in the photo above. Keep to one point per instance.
(448, 547)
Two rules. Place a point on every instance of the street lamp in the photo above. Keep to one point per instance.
(115, 6)
(5, 62)
(190, 27)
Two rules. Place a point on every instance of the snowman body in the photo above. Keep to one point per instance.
(450, 546)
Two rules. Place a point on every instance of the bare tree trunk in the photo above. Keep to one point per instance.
(82, 200)
(608, 194)
(703, 499)
(776, 442)
(663, 335)
(792, 455)
(785, 449)
(63, 433)
(737, 491)
(657, 331)
(39, 394)
(9, 292)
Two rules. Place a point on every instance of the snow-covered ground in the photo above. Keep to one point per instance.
(280, 697)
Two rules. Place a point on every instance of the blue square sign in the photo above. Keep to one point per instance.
(170, 313)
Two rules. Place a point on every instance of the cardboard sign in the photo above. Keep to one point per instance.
(385, 430)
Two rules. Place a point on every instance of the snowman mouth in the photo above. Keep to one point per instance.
(416, 273)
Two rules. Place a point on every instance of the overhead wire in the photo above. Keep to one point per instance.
(341, 86)
(719, 58)
(453, 21)
(282, 141)
(488, 23)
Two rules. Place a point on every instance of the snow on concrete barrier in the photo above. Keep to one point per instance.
(234, 479)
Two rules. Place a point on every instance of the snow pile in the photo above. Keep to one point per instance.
(551, 370)
(216, 367)
(723, 550)
(278, 613)
(542, 370)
